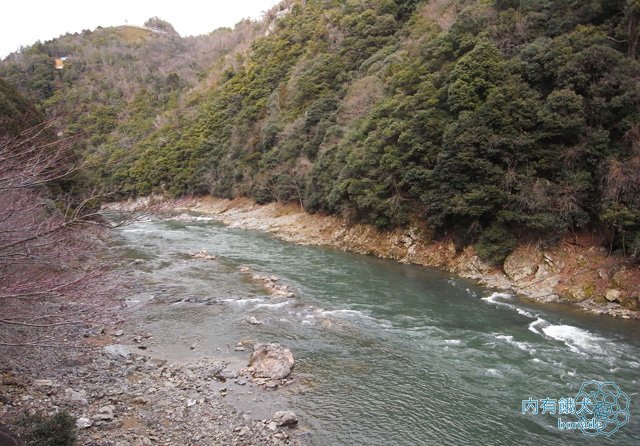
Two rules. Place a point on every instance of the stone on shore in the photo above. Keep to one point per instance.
(105, 413)
(271, 361)
(116, 351)
(285, 418)
(613, 295)
(83, 423)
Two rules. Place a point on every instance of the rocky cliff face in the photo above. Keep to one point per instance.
(580, 273)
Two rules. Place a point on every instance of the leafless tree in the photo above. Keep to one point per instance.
(49, 277)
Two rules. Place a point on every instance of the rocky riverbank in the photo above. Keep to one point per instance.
(580, 273)
(120, 397)
(101, 371)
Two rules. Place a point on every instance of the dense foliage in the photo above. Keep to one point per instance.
(118, 85)
(16, 113)
(490, 121)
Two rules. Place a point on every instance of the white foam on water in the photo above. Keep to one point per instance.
(569, 373)
(355, 313)
(452, 341)
(634, 364)
(274, 306)
(494, 296)
(426, 328)
(493, 372)
(533, 326)
(509, 340)
(494, 299)
(243, 302)
(196, 228)
(577, 339)
(524, 313)
(498, 300)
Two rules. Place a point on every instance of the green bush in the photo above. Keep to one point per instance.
(45, 430)
(495, 244)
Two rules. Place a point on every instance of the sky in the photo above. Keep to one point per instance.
(23, 22)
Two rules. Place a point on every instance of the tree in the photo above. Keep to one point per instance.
(632, 16)
(162, 25)
(47, 281)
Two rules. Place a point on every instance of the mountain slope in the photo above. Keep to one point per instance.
(489, 122)
(117, 85)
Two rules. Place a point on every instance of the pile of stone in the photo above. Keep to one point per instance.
(270, 283)
(203, 255)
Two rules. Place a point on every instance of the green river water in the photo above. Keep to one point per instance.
(386, 354)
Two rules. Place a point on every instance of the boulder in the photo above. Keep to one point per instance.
(613, 295)
(105, 413)
(285, 418)
(84, 423)
(253, 321)
(271, 361)
(203, 255)
(79, 396)
(116, 351)
(521, 264)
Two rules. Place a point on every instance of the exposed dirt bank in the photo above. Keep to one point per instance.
(582, 274)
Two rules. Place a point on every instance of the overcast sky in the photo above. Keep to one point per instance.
(23, 22)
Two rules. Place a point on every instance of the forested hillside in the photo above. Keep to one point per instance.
(489, 121)
(118, 85)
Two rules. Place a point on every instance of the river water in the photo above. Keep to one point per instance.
(386, 354)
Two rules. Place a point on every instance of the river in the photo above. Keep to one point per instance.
(386, 354)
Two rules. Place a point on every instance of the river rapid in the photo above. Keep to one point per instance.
(386, 353)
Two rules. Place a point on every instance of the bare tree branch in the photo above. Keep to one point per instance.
(49, 277)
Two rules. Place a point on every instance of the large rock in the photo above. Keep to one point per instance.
(116, 351)
(285, 418)
(253, 321)
(84, 423)
(613, 295)
(522, 264)
(105, 413)
(271, 361)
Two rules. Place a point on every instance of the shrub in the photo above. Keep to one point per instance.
(45, 430)
(495, 244)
